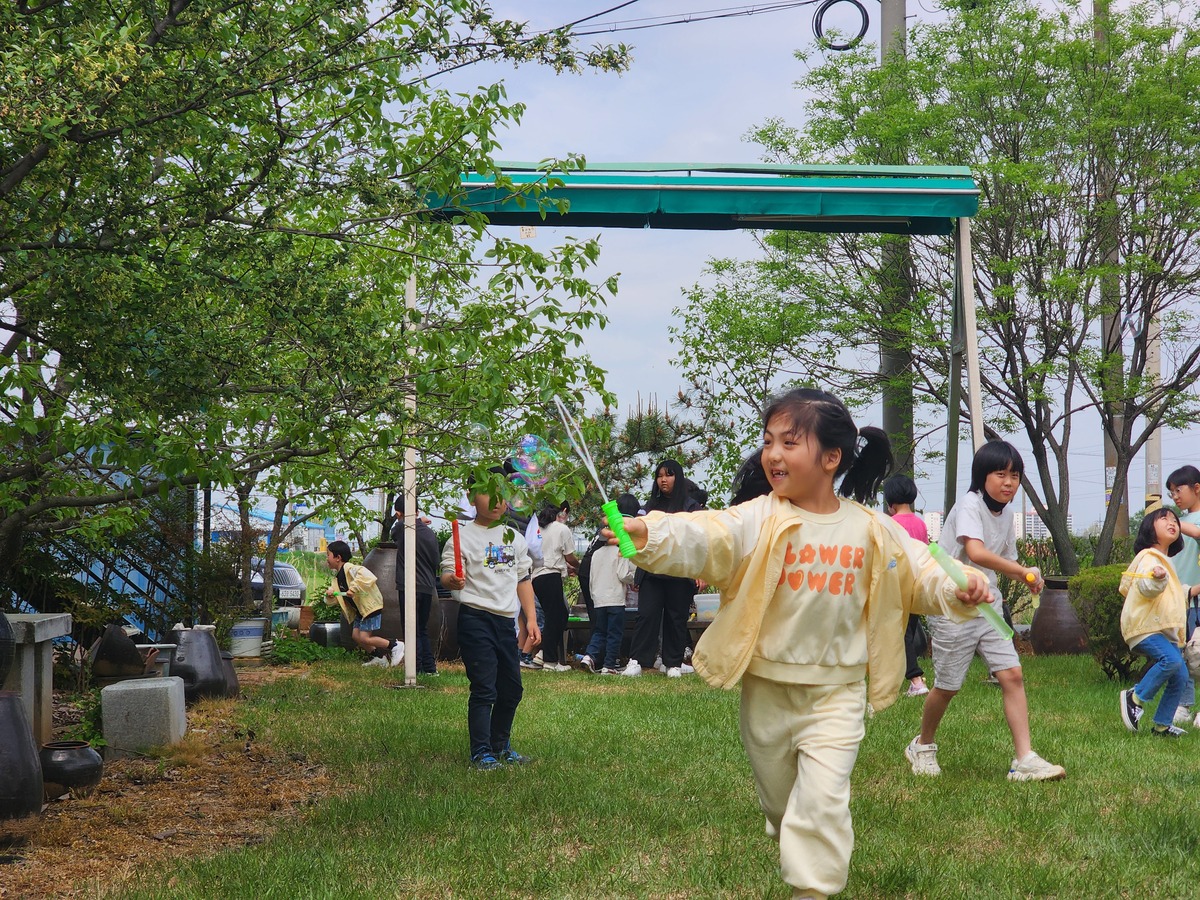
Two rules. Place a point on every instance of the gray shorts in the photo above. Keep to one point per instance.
(955, 645)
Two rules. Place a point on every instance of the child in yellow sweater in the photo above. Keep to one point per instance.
(1152, 622)
(815, 593)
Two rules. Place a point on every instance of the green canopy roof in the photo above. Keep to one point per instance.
(706, 197)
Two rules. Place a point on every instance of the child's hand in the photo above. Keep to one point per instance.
(635, 528)
(536, 634)
(1158, 572)
(977, 591)
(330, 593)
(454, 582)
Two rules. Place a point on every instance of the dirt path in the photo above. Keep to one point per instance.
(218, 788)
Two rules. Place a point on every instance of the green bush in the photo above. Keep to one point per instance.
(286, 650)
(1097, 600)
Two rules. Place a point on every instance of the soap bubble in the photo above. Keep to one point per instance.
(533, 463)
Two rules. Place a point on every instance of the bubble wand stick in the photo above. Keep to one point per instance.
(458, 567)
(951, 567)
(612, 515)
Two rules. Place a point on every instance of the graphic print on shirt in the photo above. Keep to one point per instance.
(500, 555)
(828, 568)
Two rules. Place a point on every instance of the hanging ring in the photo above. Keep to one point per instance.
(819, 31)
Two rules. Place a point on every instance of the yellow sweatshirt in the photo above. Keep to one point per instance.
(836, 591)
(1152, 605)
(363, 587)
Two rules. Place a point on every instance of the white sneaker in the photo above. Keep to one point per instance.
(686, 669)
(376, 661)
(923, 757)
(1196, 721)
(674, 672)
(633, 670)
(1034, 768)
(658, 664)
(916, 690)
(555, 667)
(588, 663)
(397, 655)
(1183, 715)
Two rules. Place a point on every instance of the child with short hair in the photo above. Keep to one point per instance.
(980, 530)
(357, 591)
(608, 575)
(815, 590)
(1152, 621)
(899, 495)
(494, 587)
(1183, 486)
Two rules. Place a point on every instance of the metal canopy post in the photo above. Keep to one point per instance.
(410, 501)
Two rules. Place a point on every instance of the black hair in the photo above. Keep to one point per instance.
(1146, 536)
(628, 505)
(899, 489)
(866, 453)
(340, 549)
(676, 501)
(994, 456)
(506, 469)
(750, 480)
(1184, 476)
(548, 512)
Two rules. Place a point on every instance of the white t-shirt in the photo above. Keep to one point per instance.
(557, 542)
(494, 559)
(970, 518)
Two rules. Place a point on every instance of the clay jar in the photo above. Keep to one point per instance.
(72, 767)
(198, 663)
(20, 773)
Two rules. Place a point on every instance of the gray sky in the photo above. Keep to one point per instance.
(693, 92)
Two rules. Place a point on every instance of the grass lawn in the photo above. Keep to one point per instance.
(640, 788)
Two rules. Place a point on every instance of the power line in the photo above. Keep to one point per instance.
(688, 18)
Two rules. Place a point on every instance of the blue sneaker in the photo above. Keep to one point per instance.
(485, 762)
(509, 756)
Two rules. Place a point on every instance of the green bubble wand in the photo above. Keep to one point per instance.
(612, 515)
(951, 567)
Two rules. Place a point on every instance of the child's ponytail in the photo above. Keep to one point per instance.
(872, 464)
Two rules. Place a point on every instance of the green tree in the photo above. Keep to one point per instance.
(210, 211)
(1027, 99)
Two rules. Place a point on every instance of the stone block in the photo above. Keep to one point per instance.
(142, 713)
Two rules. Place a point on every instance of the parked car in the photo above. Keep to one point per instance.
(286, 583)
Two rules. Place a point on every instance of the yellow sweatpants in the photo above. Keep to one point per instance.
(802, 741)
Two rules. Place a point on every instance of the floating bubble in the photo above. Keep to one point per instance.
(533, 460)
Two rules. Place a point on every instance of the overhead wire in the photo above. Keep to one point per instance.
(647, 22)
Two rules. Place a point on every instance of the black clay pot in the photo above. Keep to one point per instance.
(232, 689)
(20, 771)
(198, 663)
(70, 767)
(8, 646)
(1056, 627)
(445, 635)
(327, 634)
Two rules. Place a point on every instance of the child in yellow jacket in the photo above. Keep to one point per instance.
(1152, 622)
(815, 593)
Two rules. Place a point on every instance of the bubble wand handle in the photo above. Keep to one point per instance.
(951, 567)
(458, 567)
(611, 514)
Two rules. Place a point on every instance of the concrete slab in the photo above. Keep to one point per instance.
(142, 713)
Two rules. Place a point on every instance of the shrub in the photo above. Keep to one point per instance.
(287, 650)
(1097, 600)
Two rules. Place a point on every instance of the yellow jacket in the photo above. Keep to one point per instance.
(1152, 605)
(365, 598)
(741, 551)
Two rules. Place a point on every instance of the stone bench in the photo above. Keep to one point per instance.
(32, 673)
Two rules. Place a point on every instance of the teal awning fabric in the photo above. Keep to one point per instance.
(704, 197)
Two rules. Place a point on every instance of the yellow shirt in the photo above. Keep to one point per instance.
(1152, 605)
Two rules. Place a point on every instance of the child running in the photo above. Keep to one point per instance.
(1184, 487)
(980, 530)
(1153, 620)
(815, 591)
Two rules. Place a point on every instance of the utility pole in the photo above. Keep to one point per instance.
(1112, 360)
(1154, 478)
(895, 277)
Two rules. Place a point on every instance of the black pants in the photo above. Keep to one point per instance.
(488, 644)
(663, 603)
(914, 644)
(549, 591)
(426, 664)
